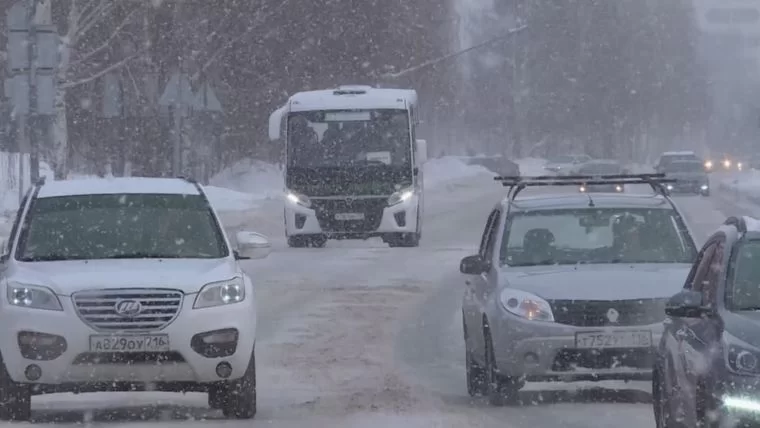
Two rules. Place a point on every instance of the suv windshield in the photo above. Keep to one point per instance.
(743, 290)
(87, 227)
(596, 235)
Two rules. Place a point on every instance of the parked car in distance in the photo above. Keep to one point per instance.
(565, 164)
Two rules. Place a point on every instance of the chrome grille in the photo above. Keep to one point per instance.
(158, 308)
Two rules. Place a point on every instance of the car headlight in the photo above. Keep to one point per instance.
(727, 164)
(743, 361)
(705, 187)
(400, 196)
(669, 187)
(618, 188)
(298, 198)
(739, 166)
(582, 189)
(709, 164)
(526, 305)
(220, 293)
(33, 296)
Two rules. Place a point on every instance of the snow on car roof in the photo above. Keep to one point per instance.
(617, 200)
(371, 98)
(107, 186)
(679, 153)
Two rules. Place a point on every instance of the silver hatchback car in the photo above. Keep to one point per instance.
(570, 287)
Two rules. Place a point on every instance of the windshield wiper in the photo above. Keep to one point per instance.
(139, 255)
(48, 258)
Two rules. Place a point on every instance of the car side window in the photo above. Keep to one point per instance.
(486, 235)
(703, 268)
(490, 244)
(714, 274)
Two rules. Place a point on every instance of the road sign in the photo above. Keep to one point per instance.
(178, 93)
(206, 99)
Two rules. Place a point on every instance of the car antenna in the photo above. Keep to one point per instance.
(590, 201)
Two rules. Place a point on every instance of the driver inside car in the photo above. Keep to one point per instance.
(538, 247)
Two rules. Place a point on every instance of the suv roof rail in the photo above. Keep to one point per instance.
(518, 184)
(194, 183)
(738, 222)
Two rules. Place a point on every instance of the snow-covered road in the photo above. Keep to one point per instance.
(361, 335)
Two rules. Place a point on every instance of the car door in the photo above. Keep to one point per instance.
(688, 353)
(476, 286)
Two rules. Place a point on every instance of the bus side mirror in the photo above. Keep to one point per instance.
(275, 123)
(421, 154)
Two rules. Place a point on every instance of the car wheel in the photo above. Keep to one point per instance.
(305, 241)
(15, 398)
(661, 403)
(238, 398)
(500, 390)
(475, 375)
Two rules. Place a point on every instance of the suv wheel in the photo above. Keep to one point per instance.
(407, 240)
(500, 390)
(661, 404)
(15, 398)
(237, 399)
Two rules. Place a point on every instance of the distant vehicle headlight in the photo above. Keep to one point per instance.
(739, 166)
(709, 164)
(582, 189)
(618, 188)
(727, 164)
(526, 305)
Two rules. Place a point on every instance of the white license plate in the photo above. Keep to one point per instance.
(618, 339)
(125, 343)
(349, 216)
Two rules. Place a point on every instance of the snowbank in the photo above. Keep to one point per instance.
(746, 183)
(448, 168)
(260, 179)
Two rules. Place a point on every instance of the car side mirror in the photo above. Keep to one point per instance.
(252, 245)
(473, 265)
(687, 304)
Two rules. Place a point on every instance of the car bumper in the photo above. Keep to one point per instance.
(399, 218)
(540, 351)
(78, 365)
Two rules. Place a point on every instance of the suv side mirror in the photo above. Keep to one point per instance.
(252, 245)
(473, 265)
(686, 304)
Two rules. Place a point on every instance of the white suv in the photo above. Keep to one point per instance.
(126, 284)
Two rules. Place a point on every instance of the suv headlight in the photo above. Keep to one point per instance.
(220, 293)
(298, 198)
(742, 360)
(526, 305)
(400, 196)
(33, 297)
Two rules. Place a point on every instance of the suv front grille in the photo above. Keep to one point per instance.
(371, 208)
(595, 313)
(157, 308)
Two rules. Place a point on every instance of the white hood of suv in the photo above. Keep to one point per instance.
(66, 277)
(599, 282)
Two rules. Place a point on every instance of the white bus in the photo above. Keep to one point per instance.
(353, 167)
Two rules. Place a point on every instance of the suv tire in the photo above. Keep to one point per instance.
(500, 390)
(237, 399)
(15, 398)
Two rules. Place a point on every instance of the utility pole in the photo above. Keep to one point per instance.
(31, 123)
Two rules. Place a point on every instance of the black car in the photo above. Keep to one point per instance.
(690, 177)
(707, 369)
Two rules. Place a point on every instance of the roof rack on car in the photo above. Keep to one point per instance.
(517, 184)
